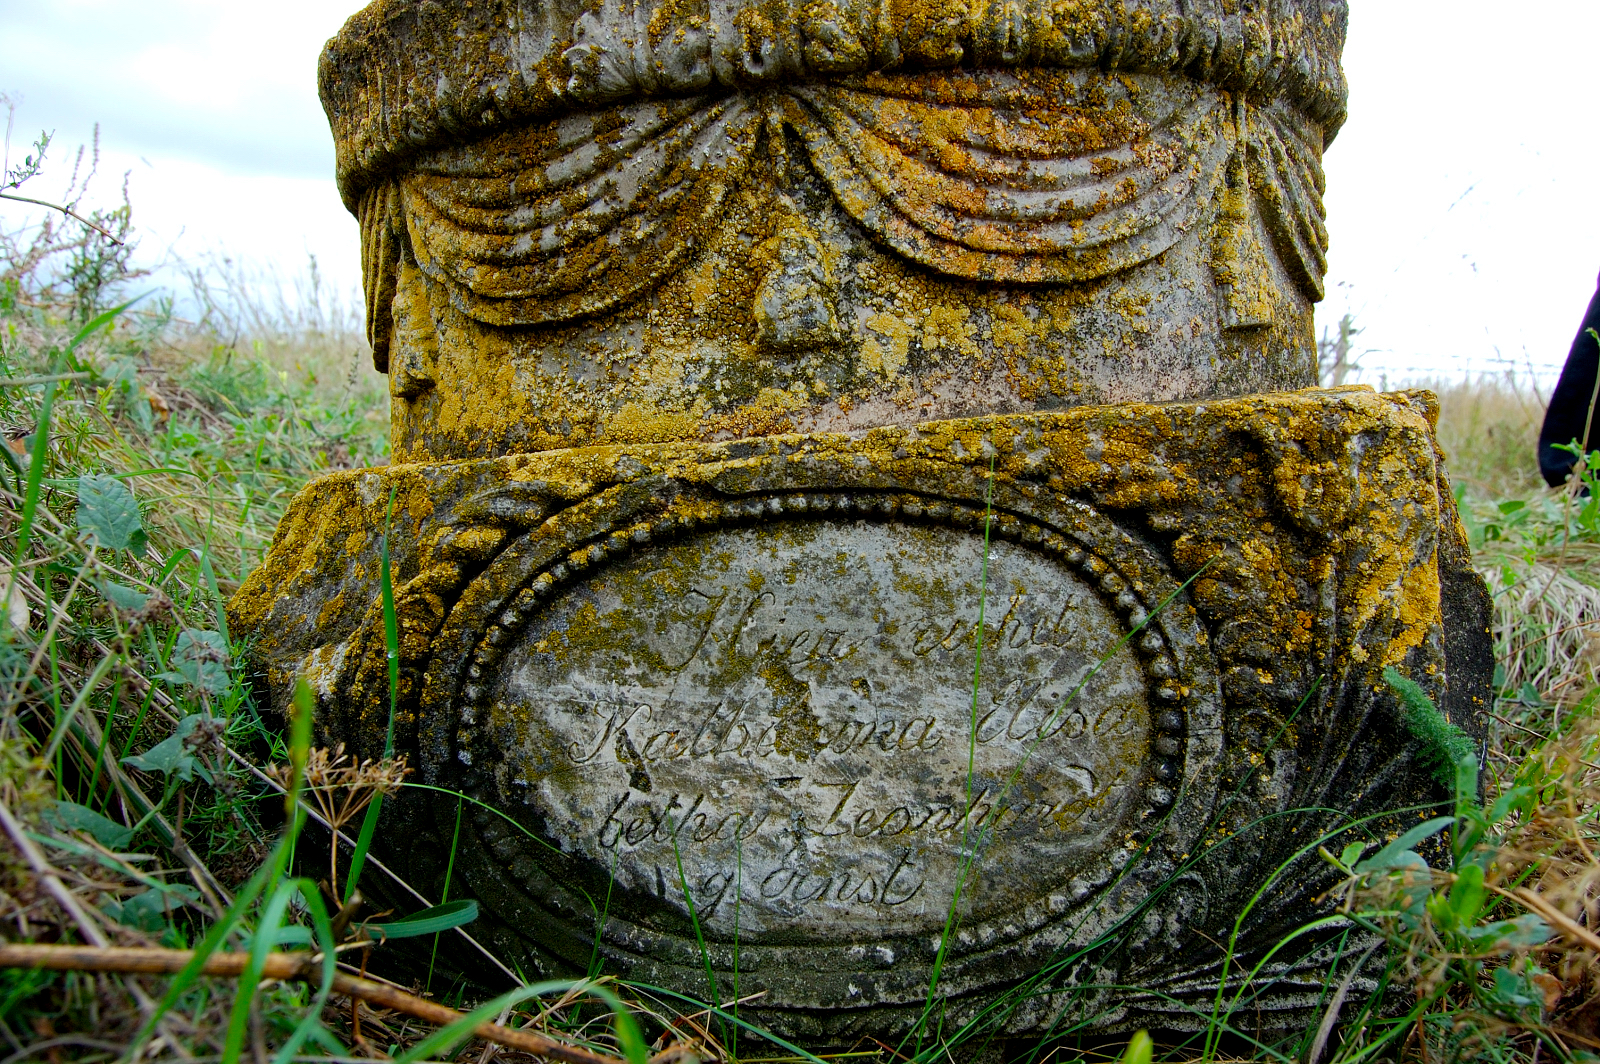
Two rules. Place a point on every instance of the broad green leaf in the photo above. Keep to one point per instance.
(200, 660)
(165, 757)
(126, 599)
(149, 909)
(1352, 853)
(70, 816)
(1395, 854)
(1141, 1048)
(171, 754)
(1508, 802)
(108, 514)
(1467, 893)
(1406, 861)
(429, 921)
(1516, 990)
(1524, 932)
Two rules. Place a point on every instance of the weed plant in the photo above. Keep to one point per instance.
(146, 461)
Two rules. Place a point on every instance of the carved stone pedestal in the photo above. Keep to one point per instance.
(728, 702)
(774, 576)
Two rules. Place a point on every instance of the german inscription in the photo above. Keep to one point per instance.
(783, 726)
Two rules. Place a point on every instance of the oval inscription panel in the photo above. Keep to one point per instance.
(781, 719)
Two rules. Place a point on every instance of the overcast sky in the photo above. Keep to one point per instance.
(1462, 193)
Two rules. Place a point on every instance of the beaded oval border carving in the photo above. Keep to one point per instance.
(1167, 694)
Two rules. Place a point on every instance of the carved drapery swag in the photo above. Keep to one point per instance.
(1033, 167)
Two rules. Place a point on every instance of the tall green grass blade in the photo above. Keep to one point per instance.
(694, 921)
(391, 625)
(270, 873)
(310, 1024)
(997, 1012)
(36, 463)
(90, 685)
(144, 704)
(221, 605)
(41, 435)
(1016, 773)
(951, 915)
(262, 943)
(601, 916)
(629, 1037)
(98, 322)
(449, 871)
(738, 889)
(1231, 949)
(391, 638)
(358, 860)
(445, 916)
(977, 655)
(720, 1013)
(512, 821)
(442, 1042)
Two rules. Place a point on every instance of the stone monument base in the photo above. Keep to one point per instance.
(728, 701)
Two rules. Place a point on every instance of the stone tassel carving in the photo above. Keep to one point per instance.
(794, 305)
(1243, 275)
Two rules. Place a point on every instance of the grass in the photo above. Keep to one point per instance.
(145, 461)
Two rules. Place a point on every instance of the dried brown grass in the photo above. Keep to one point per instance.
(1489, 430)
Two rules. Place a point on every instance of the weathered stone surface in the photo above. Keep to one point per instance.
(630, 222)
(742, 675)
(714, 330)
(792, 700)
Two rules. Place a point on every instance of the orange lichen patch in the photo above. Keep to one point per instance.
(1418, 609)
(888, 357)
(470, 544)
(771, 413)
(635, 423)
(952, 328)
(418, 503)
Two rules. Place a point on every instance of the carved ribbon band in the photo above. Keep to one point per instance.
(1023, 176)
(406, 76)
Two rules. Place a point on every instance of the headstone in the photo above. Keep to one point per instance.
(854, 535)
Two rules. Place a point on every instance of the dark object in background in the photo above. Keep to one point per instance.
(1569, 406)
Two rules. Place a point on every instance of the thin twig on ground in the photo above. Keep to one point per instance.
(302, 967)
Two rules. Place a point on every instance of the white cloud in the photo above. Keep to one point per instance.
(1462, 193)
(210, 107)
(230, 84)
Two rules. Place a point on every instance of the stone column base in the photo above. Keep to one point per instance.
(728, 701)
